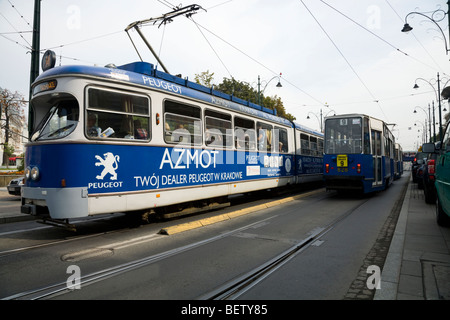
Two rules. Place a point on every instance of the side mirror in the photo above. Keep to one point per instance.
(428, 148)
(420, 161)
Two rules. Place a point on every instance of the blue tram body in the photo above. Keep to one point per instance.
(398, 161)
(359, 154)
(133, 138)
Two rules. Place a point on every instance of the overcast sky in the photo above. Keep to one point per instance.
(343, 56)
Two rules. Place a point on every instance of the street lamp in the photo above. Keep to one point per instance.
(433, 17)
(437, 93)
(321, 117)
(427, 117)
(424, 131)
(279, 85)
(318, 119)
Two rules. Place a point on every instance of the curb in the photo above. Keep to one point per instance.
(227, 216)
(390, 275)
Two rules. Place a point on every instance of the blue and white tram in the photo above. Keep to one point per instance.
(132, 138)
(398, 161)
(359, 153)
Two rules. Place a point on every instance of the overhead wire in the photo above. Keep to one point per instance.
(345, 59)
(170, 5)
(415, 37)
(212, 48)
(21, 15)
(218, 5)
(84, 40)
(366, 29)
(259, 63)
(16, 42)
(384, 40)
(161, 43)
(15, 32)
(199, 26)
(15, 29)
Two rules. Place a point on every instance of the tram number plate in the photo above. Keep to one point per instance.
(342, 161)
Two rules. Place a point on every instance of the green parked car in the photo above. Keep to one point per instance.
(442, 176)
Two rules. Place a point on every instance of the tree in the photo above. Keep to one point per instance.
(205, 78)
(245, 91)
(8, 150)
(12, 115)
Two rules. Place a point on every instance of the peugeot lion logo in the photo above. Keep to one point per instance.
(110, 164)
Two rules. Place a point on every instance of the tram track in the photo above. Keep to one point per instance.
(230, 290)
(236, 287)
(62, 287)
(6, 253)
(9, 252)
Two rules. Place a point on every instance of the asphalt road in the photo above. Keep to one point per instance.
(189, 265)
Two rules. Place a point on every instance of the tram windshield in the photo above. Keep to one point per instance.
(343, 135)
(60, 120)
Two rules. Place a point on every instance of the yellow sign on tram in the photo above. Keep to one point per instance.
(342, 161)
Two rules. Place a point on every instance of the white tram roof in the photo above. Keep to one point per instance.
(145, 74)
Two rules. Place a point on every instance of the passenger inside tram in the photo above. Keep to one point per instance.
(93, 129)
(139, 131)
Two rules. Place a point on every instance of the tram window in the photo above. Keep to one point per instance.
(59, 122)
(117, 115)
(343, 135)
(218, 131)
(320, 147)
(264, 132)
(244, 134)
(280, 140)
(304, 143)
(182, 123)
(387, 144)
(118, 102)
(366, 136)
(313, 146)
(116, 125)
(376, 142)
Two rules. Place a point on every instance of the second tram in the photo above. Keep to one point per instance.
(359, 153)
(398, 161)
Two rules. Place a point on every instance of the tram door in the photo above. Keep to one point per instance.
(377, 158)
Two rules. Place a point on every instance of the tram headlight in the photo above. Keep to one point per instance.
(35, 173)
(28, 173)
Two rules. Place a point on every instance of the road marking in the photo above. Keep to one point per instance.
(85, 254)
(317, 243)
(108, 249)
(208, 221)
(132, 242)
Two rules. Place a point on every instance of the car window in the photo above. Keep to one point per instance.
(420, 155)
